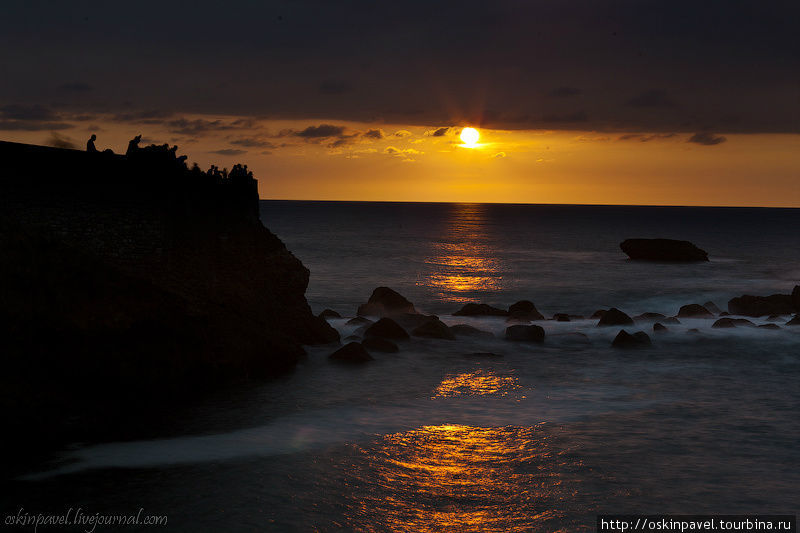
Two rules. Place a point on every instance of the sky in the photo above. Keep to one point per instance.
(597, 102)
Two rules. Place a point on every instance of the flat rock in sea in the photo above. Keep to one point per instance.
(663, 250)
(377, 344)
(614, 317)
(712, 307)
(525, 333)
(640, 339)
(465, 330)
(694, 311)
(775, 304)
(727, 322)
(795, 321)
(352, 352)
(525, 310)
(659, 327)
(329, 313)
(386, 328)
(649, 317)
(473, 309)
(385, 302)
(434, 329)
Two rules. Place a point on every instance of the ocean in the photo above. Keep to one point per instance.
(538, 437)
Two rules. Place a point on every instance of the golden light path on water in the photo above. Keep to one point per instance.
(463, 261)
(478, 382)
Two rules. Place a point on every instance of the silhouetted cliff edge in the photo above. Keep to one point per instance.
(124, 281)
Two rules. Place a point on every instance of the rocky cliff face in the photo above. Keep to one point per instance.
(123, 282)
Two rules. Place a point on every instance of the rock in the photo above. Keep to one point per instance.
(694, 311)
(359, 321)
(352, 352)
(329, 313)
(525, 333)
(525, 310)
(724, 313)
(774, 318)
(796, 297)
(727, 322)
(598, 314)
(353, 338)
(482, 354)
(662, 250)
(465, 330)
(671, 320)
(649, 317)
(640, 339)
(561, 317)
(377, 344)
(659, 328)
(434, 329)
(385, 302)
(770, 326)
(473, 309)
(513, 320)
(411, 320)
(776, 304)
(794, 321)
(386, 328)
(614, 317)
(693, 331)
(712, 308)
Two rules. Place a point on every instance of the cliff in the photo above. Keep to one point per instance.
(125, 281)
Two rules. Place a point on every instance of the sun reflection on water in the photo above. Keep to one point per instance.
(478, 382)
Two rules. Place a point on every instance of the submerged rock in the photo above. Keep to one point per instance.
(525, 333)
(377, 344)
(352, 352)
(386, 302)
(614, 317)
(329, 313)
(775, 304)
(694, 311)
(640, 339)
(434, 329)
(712, 308)
(465, 330)
(659, 328)
(473, 309)
(525, 309)
(663, 250)
(727, 322)
(386, 328)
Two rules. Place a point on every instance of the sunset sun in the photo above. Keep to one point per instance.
(470, 136)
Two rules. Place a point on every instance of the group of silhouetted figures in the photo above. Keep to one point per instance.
(164, 154)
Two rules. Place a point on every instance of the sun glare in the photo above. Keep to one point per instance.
(470, 136)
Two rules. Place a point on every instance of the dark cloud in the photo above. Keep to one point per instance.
(645, 138)
(153, 116)
(228, 152)
(321, 131)
(253, 142)
(334, 87)
(75, 87)
(438, 132)
(339, 143)
(706, 139)
(198, 126)
(564, 92)
(374, 134)
(23, 125)
(578, 116)
(651, 98)
(28, 112)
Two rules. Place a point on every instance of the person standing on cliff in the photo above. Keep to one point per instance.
(90, 144)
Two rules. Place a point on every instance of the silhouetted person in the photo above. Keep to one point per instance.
(90, 144)
(133, 145)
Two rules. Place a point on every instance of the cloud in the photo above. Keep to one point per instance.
(228, 152)
(645, 138)
(439, 132)
(339, 142)
(564, 92)
(706, 139)
(253, 142)
(200, 126)
(578, 116)
(402, 133)
(374, 134)
(60, 141)
(74, 87)
(321, 131)
(499, 155)
(333, 87)
(28, 112)
(24, 125)
(391, 150)
(651, 98)
(153, 116)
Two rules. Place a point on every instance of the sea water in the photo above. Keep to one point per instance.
(536, 437)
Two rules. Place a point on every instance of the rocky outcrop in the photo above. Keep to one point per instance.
(625, 340)
(352, 352)
(434, 329)
(645, 317)
(694, 311)
(732, 323)
(614, 317)
(524, 310)
(712, 307)
(663, 250)
(329, 313)
(525, 333)
(387, 329)
(385, 302)
(473, 309)
(776, 304)
(659, 328)
(377, 344)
